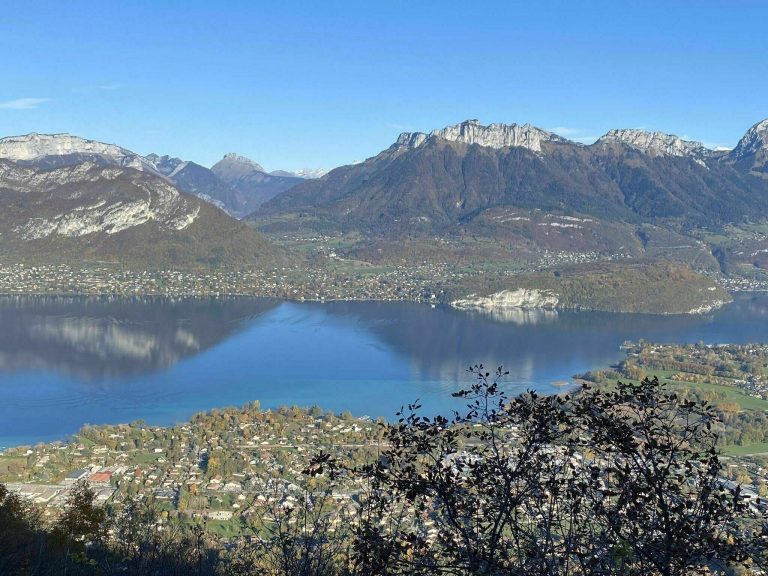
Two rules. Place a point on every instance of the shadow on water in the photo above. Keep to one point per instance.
(534, 345)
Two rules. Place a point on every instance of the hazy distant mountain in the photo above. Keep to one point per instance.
(240, 186)
(236, 184)
(306, 173)
(198, 180)
(233, 166)
(89, 211)
(165, 165)
(461, 176)
(253, 186)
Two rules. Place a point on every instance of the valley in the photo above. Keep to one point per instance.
(383, 289)
(462, 213)
(227, 467)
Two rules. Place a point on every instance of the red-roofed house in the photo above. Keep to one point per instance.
(100, 478)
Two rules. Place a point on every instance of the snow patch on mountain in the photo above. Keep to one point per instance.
(306, 173)
(166, 165)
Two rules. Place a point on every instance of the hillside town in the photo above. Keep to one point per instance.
(395, 283)
(219, 467)
(226, 465)
(339, 280)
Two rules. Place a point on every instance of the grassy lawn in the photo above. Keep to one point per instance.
(747, 449)
(224, 528)
(662, 374)
(84, 441)
(145, 457)
(731, 393)
(17, 464)
(745, 401)
(222, 501)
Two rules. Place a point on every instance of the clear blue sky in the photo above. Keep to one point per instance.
(319, 84)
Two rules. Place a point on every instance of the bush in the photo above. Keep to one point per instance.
(600, 482)
(621, 481)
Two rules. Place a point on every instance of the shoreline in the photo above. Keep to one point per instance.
(202, 295)
(32, 301)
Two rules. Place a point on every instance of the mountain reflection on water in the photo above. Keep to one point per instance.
(66, 362)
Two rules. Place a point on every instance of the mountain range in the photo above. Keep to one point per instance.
(452, 178)
(250, 183)
(77, 207)
(495, 198)
(235, 184)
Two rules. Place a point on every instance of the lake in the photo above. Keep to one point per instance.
(65, 362)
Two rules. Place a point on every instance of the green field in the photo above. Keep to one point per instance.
(224, 528)
(745, 401)
(731, 393)
(146, 457)
(746, 449)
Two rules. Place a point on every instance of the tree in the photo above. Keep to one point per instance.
(298, 532)
(81, 519)
(20, 542)
(597, 482)
(656, 487)
(80, 523)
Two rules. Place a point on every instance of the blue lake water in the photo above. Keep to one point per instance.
(67, 362)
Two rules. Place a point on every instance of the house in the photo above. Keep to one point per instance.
(101, 478)
(75, 476)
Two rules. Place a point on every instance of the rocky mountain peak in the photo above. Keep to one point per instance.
(311, 173)
(35, 147)
(754, 140)
(305, 173)
(655, 143)
(491, 136)
(233, 158)
(166, 165)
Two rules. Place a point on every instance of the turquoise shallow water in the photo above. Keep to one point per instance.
(67, 362)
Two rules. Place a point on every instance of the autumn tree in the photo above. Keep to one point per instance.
(619, 481)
